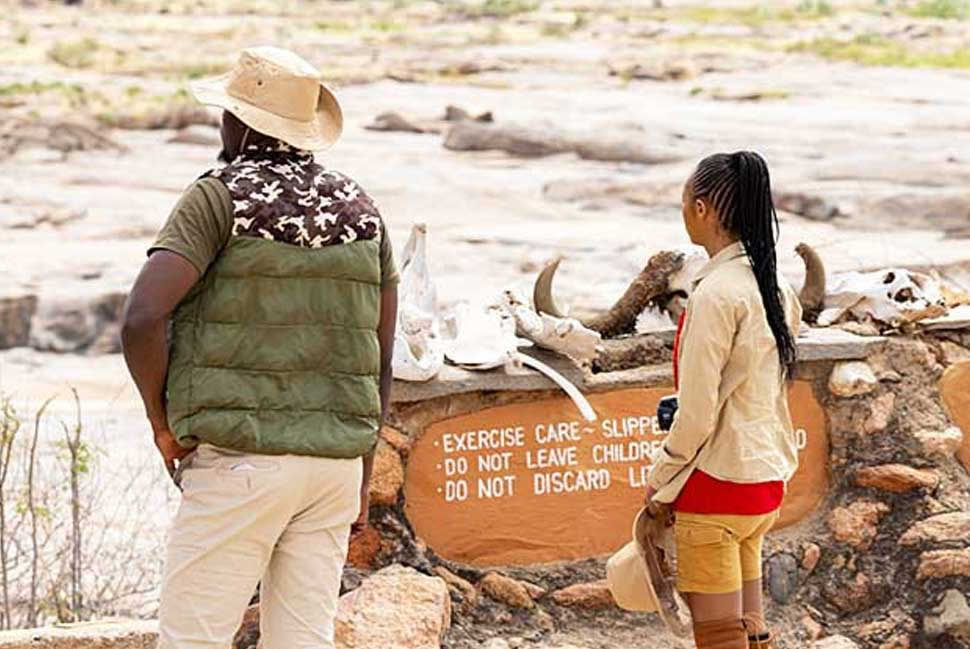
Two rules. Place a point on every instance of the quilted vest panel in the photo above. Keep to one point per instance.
(275, 350)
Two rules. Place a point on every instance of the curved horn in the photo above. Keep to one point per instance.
(812, 295)
(542, 297)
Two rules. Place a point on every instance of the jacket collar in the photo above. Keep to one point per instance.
(734, 251)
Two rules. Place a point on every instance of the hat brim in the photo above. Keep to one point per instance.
(315, 135)
(640, 524)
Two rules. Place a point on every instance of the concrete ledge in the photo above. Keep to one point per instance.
(121, 634)
(814, 345)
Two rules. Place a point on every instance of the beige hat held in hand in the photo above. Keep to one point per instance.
(277, 92)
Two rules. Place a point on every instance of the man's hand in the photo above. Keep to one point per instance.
(648, 498)
(363, 518)
(169, 448)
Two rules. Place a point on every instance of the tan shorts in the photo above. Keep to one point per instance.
(279, 521)
(717, 553)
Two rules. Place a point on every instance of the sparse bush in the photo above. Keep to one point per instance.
(947, 9)
(75, 54)
(873, 49)
(77, 535)
(495, 8)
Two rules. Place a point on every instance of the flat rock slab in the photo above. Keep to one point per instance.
(814, 345)
(123, 634)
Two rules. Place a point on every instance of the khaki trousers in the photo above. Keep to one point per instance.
(283, 521)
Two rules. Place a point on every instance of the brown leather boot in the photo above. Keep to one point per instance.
(721, 634)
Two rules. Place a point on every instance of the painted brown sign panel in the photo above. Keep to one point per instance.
(955, 389)
(534, 482)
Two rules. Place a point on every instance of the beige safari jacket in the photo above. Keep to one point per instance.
(733, 421)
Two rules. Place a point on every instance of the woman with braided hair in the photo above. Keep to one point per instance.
(731, 448)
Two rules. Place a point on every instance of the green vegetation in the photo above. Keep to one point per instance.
(873, 49)
(333, 26)
(199, 70)
(494, 8)
(385, 25)
(75, 54)
(753, 16)
(76, 95)
(32, 88)
(947, 9)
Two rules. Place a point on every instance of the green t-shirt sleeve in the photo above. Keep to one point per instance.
(199, 225)
(389, 274)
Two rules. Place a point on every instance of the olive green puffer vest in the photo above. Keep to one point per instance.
(275, 350)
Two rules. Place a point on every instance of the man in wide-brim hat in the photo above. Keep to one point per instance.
(277, 277)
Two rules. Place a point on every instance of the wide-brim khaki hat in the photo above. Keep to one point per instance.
(277, 92)
(627, 574)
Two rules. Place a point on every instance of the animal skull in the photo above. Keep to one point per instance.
(893, 297)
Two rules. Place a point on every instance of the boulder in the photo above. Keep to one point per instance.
(896, 478)
(954, 526)
(508, 591)
(515, 140)
(462, 588)
(852, 379)
(114, 634)
(624, 149)
(398, 440)
(388, 475)
(364, 548)
(782, 577)
(835, 642)
(940, 444)
(396, 608)
(591, 596)
(70, 324)
(881, 412)
(15, 317)
(952, 616)
(811, 557)
(955, 390)
(65, 326)
(856, 523)
(938, 564)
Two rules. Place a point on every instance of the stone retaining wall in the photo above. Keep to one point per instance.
(882, 561)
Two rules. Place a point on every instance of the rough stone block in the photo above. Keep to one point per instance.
(852, 379)
(595, 595)
(388, 475)
(938, 564)
(856, 524)
(952, 616)
(396, 608)
(954, 526)
(896, 478)
(508, 591)
(835, 642)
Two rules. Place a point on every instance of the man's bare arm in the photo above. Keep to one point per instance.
(164, 280)
(385, 336)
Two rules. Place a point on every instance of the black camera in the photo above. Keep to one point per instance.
(666, 410)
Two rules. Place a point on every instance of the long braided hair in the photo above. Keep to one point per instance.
(738, 187)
